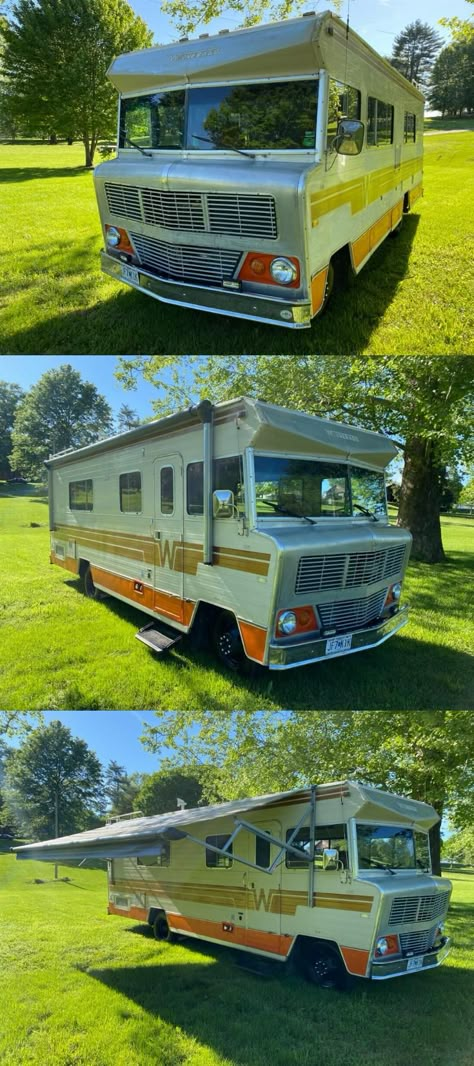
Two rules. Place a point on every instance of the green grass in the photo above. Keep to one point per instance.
(412, 298)
(61, 651)
(80, 988)
(438, 123)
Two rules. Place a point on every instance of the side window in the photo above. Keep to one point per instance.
(131, 492)
(301, 841)
(344, 102)
(331, 836)
(228, 475)
(410, 127)
(212, 857)
(262, 852)
(163, 859)
(194, 488)
(80, 495)
(379, 123)
(167, 490)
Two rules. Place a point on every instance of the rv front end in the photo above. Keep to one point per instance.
(410, 933)
(286, 656)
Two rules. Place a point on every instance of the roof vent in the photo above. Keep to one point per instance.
(307, 14)
(221, 32)
(201, 35)
(183, 39)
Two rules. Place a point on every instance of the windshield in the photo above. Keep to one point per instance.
(274, 115)
(382, 846)
(310, 487)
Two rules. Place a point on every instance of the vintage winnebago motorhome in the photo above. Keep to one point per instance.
(335, 878)
(263, 528)
(248, 161)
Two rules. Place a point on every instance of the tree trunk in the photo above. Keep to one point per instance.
(435, 848)
(420, 499)
(89, 150)
(53, 139)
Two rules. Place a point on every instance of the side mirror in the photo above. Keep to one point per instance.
(330, 859)
(350, 137)
(223, 503)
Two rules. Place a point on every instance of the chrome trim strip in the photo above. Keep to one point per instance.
(225, 301)
(287, 656)
(435, 958)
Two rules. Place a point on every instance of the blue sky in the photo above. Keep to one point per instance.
(99, 369)
(111, 735)
(377, 21)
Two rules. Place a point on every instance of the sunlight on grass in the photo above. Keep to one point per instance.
(80, 987)
(412, 298)
(61, 651)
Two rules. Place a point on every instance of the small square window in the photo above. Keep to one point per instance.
(213, 858)
(131, 492)
(80, 495)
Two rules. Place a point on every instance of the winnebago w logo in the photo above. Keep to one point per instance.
(267, 901)
(178, 555)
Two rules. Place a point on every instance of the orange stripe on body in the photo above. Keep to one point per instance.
(139, 913)
(356, 960)
(69, 564)
(161, 602)
(273, 943)
(369, 240)
(254, 639)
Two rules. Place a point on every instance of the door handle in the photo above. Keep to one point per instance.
(157, 534)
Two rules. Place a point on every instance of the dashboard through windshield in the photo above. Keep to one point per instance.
(300, 487)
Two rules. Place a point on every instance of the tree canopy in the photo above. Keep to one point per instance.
(414, 50)
(428, 755)
(161, 791)
(56, 56)
(451, 88)
(10, 397)
(424, 405)
(54, 774)
(187, 15)
(61, 411)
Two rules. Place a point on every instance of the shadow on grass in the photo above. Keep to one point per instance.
(402, 674)
(16, 174)
(232, 1012)
(132, 322)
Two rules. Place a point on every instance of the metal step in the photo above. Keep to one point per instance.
(156, 639)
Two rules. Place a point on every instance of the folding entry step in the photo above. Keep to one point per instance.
(158, 640)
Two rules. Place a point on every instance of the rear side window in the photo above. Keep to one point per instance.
(379, 123)
(227, 474)
(167, 490)
(80, 495)
(194, 488)
(410, 127)
(131, 492)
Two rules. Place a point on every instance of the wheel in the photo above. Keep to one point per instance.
(88, 585)
(324, 968)
(162, 930)
(228, 643)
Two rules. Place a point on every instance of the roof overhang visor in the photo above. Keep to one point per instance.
(292, 431)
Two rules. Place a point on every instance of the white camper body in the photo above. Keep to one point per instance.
(247, 161)
(335, 878)
(262, 528)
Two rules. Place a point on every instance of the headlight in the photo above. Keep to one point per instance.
(396, 590)
(112, 236)
(287, 622)
(283, 271)
(381, 946)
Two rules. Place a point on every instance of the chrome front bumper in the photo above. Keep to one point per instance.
(286, 656)
(383, 970)
(218, 301)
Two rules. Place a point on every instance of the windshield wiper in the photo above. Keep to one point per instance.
(231, 147)
(379, 865)
(292, 514)
(370, 514)
(138, 146)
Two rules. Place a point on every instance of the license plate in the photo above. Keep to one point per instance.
(130, 274)
(336, 644)
(415, 964)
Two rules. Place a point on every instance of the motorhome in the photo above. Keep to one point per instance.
(334, 878)
(252, 164)
(264, 529)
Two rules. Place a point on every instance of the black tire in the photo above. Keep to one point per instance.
(88, 586)
(162, 931)
(324, 968)
(228, 645)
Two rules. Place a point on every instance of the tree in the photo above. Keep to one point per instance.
(121, 789)
(460, 846)
(427, 755)
(18, 723)
(451, 89)
(127, 418)
(160, 791)
(414, 50)
(461, 29)
(56, 57)
(10, 397)
(466, 496)
(61, 411)
(54, 783)
(188, 15)
(424, 405)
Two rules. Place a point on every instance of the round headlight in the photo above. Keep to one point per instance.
(283, 271)
(112, 236)
(287, 622)
(381, 946)
(396, 591)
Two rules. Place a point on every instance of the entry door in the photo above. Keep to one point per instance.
(168, 537)
(263, 895)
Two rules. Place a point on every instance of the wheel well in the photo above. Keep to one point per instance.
(406, 202)
(305, 946)
(154, 913)
(83, 566)
(343, 269)
(203, 623)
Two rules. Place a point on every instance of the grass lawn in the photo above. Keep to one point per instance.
(61, 651)
(412, 298)
(79, 987)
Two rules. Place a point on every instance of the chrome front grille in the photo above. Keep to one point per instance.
(407, 909)
(417, 943)
(351, 614)
(227, 213)
(206, 266)
(319, 572)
